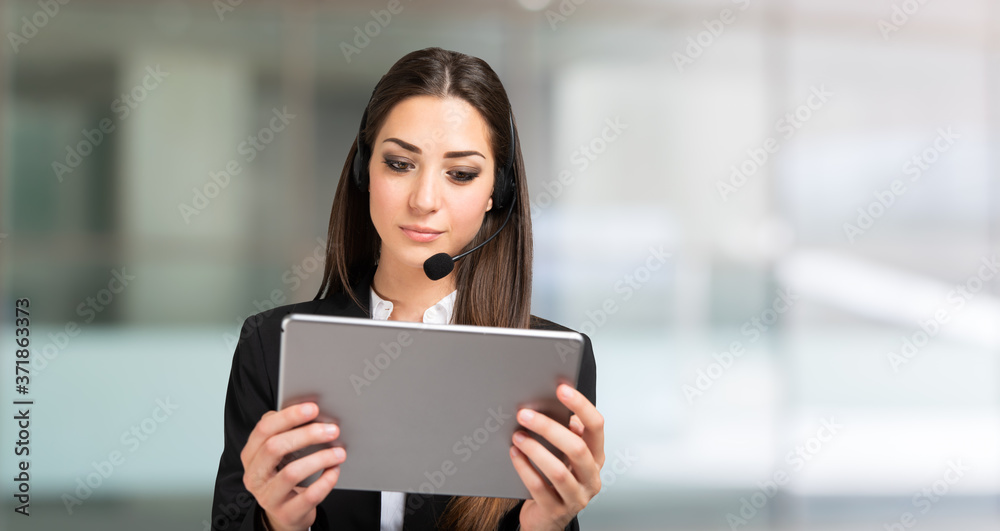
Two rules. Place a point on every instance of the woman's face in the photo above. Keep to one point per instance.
(431, 178)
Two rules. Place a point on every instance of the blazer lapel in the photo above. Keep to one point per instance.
(342, 305)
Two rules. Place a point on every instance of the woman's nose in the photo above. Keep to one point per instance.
(425, 196)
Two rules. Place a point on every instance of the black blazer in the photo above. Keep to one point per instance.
(253, 390)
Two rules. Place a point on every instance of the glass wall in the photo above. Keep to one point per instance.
(777, 221)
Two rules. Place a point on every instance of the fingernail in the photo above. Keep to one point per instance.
(565, 391)
(306, 409)
(339, 453)
(330, 429)
(527, 414)
(518, 437)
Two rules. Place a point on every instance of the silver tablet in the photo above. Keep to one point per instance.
(425, 408)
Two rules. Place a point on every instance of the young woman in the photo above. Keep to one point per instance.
(436, 168)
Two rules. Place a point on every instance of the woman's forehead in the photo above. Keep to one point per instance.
(436, 124)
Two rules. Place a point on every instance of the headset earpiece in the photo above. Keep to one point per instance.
(503, 190)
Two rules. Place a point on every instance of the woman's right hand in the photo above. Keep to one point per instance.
(286, 506)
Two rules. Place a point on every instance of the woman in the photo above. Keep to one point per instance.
(435, 169)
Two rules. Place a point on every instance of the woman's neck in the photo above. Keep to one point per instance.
(408, 289)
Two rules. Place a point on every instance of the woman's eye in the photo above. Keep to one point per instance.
(462, 176)
(397, 166)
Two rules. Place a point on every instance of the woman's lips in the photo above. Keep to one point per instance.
(421, 236)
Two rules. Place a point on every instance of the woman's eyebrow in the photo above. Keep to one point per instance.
(449, 155)
(405, 145)
(458, 154)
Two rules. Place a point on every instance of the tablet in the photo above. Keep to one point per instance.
(425, 408)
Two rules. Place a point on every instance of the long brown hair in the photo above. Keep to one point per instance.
(493, 283)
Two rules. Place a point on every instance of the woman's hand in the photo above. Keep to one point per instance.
(286, 506)
(552, 507)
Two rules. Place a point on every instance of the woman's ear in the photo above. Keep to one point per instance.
(489, 205)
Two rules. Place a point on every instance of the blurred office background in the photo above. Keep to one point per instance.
(776, 219)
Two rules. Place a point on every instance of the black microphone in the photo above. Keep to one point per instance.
(441, 264)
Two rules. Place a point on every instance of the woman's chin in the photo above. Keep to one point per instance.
(415, 258)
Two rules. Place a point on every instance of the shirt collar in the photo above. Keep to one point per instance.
(440, 313)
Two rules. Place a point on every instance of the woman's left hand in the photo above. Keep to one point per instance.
(552, 507)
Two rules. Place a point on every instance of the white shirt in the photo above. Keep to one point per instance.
(441, 313)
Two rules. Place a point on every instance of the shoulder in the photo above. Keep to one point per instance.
(267, 324)
(268, 321)
(538, 323)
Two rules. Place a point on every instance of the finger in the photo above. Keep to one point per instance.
(293, 473)
(584, 467)
(274, 422)
(315, 493)
(576, 425)
(564, 482)
(282, 444)
(593, 421)
(541, 492)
